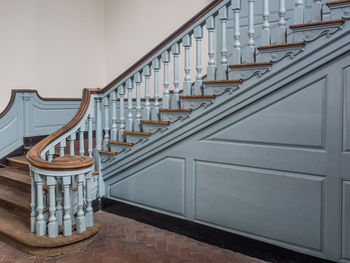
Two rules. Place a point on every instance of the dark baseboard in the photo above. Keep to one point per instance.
(19, 151)
(31, 141)
(210, 235)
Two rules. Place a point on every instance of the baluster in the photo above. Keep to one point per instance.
(122, 117)
(89, 215)
(114, 97)
(175, 50)
(210, 24)
(98, 124)
(156, 67)
(40, 226)
(106, 126)
(59, 198)
(282, 29)
(52, 226)
(251, 32)
(67, 219)
(61, 147)
(81, 140)
(317, 10)
(265, 35)
(198, 35)
(236, 54)
(32, 202)
(71, 140)
(299, 12)
(138, 80)
(222, 68)
(187, 43)
(166, 60)
(147, 74)
(90, 134)
(130, 117)
(80, 221)
(50, 154)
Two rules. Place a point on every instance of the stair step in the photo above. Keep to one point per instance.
(16, 178)
(135, 137)
(107, 152)
(172, 115)
(275, 53)
(19, 161)
(15, 200)
(312, 31)
(118, 147)
(196, 101)
(248, 70)
(154, 126)
(339, 9)
(219, 87)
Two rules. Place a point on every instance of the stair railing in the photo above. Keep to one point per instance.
(68, 173)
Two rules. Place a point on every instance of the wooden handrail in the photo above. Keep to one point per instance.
(189, 23)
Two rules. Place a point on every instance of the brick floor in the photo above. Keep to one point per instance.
(125, 240)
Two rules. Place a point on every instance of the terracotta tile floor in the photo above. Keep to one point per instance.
(125, 240)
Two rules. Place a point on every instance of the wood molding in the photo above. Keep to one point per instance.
(337, 2)
(318, 23)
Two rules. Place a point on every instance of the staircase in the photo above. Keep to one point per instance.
(184, 155)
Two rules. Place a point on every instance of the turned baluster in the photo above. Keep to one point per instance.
(130, 124)
(187, 86)
(71, 140)
(282, 28)
(299, 12)
(222, 68)
(106, 123)
(236, 53)
(166, 60)
(175, 50)
(147, 110)
(265, 35)
(317, 10)
(80, 220)
(32, 202)
(98, 124)
(81, 140)
(114, 131)
(89, 215)
(138, 80)
(122, 117)
(67, 219)
(40, 225)
(251, 32)
(90, 148)
(50, 154)
(156, 67)
(53, 225)
(61, 147)
(59, 198)
(198, 35)
(211, 70)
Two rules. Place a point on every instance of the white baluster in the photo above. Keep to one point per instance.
(211, 70)
(251, 32)
(106, 123)
(138, 80)
(166, 60)
(222, 68)
(317, 11)
(175, 50)
(71, 140)
(80, 220)
(50, 154)
(122, 117)
(40, 225)
(59, 198)
(198, 35)
(53, 225)
(187, 86)
(32, 202)
(89, 215)
(147, 74)
(265, 35)
(130, 125)
(90, 134)
(114, 131)
(236, 53)
(299, 12)
(282, 29)
(81, 140)
(98, 124)
(156, 67)
(61, 147)
(67, 219)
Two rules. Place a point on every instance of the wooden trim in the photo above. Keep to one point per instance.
(175, 110)
(223, 81)
(189, 23)
(250, 64)
(121, 143)
(107, 152)
(318, 23)
(282, 45)
(138, 133)
(95, 173)
(337, 2)
(199, 97)
(155, 122)
(66, 163)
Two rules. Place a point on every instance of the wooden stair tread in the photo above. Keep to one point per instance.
(95, 173)
(155, 122)
(175, 110)
(15, 200)
(16, 175)
(121, 143)
(282, 45)
(198, 97)
(337, 2)
(137, 133)
(250, 64)
(335, 21)
(223, 81)
(107, 152)
(19, 159)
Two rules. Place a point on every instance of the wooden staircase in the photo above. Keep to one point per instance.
(15, 195)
